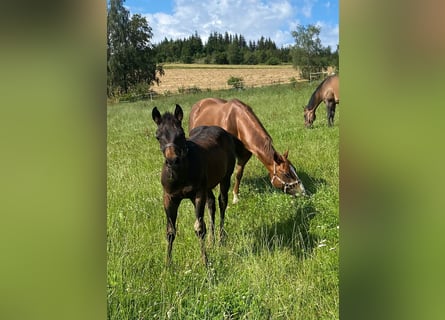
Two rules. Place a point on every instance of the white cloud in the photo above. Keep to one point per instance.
(329, 34)
(306, 8)
(251, 18)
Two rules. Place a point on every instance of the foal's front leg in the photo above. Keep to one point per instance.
(200, 226)
(171, 211)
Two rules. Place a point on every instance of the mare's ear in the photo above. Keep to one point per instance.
(156, 115)
(285, 154)
(178, 113)
(277, 158)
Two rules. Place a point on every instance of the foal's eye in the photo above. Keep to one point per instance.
(180, 137)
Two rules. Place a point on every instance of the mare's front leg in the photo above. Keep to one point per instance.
(171, 211)
(330, 108)
(243, 156)
(200, 226)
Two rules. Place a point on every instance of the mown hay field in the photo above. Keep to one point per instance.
(214, 77)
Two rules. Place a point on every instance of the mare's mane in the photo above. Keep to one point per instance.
(257, 139)
(311, 100)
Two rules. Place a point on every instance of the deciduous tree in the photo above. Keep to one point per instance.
(131, 62)
(307, 51)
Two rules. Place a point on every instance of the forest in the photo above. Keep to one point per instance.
(232, 49)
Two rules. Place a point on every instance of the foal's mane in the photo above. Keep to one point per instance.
(168, 116)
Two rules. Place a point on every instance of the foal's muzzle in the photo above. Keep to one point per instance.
(173, 153)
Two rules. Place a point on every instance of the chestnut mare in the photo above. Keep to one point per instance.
(327, 91)
(192, 168)
(238, 119)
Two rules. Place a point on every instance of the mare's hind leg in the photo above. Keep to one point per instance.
(223, 199)
(330, 108)
(243, 156)
(212, 208)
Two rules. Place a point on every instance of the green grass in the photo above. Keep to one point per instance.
(281, 256)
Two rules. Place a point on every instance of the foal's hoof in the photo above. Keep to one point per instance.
(235, 199)
(223, 238)
(205, 260)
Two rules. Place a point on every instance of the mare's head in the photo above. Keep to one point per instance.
(285, 177)
(309, 117)
(170, 135)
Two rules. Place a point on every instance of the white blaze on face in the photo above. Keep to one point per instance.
(303, 190)
(294, 172)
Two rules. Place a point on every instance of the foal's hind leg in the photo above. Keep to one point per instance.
(212, 208)
(223, 199)
(200, 226)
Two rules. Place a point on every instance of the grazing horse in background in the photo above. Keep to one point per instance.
(327, 91)
(238, 119)
(192, 168)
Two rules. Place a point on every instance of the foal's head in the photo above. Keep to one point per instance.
(170, 135)
(309, 117)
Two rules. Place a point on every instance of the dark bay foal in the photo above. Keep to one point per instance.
(192, 168)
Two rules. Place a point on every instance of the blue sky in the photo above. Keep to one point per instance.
(274, 19)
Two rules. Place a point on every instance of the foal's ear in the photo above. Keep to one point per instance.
(156, 115)
(286, 154)
(178, 113)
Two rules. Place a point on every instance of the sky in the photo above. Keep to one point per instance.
(274, 19)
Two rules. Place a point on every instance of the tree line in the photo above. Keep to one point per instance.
(134, 63)
(234, 49)
(221, 49)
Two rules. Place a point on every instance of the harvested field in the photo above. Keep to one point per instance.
(215, 77)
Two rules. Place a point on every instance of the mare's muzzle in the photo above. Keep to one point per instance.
(292, 187)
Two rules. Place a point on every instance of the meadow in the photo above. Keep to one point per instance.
(280, 260)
